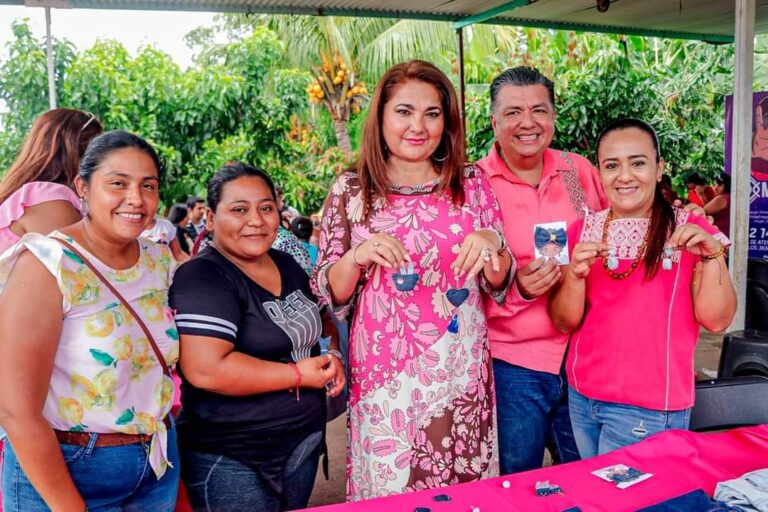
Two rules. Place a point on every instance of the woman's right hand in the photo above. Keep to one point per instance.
(583, 257)
(316, 372)
(382, 249)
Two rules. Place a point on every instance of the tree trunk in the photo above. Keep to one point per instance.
(342, 135)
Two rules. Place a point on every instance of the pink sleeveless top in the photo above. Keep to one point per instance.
(30, 194)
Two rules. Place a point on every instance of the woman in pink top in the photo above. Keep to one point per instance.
(412, 238)
(36, 193)
(642, 279)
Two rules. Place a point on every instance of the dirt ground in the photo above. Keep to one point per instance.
(332, 490)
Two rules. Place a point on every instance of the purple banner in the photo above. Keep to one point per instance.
(758, 197)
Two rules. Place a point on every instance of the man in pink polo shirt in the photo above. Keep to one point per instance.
(534, 184)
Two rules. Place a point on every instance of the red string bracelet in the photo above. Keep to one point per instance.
(298, 378)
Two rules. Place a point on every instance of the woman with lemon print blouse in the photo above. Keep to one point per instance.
(88, 419)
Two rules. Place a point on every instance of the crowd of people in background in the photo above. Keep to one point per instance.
(470, 315)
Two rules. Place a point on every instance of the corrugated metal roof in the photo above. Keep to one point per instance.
(711, 20)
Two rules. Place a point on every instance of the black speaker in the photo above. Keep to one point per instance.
(729, 403)
(757, 270)
(756, 315)
(744, 353)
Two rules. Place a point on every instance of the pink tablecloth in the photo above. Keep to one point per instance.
(680, 461)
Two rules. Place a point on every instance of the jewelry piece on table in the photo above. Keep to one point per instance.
(406, 279)
(441, 498)
(545, 488)
(666, 261)
(613, 262)
(506, 484)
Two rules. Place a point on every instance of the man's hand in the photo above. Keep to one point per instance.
(537, 278)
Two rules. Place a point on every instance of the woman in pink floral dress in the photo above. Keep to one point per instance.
(411, 238)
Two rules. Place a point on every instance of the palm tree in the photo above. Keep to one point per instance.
(342, 53)
(335, 48)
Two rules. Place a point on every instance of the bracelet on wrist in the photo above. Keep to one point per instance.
(502, 240)
(297, 385)
(714, 255)
(336, 353)
(354, 258)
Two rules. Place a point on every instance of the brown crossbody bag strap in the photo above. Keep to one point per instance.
(124, 302)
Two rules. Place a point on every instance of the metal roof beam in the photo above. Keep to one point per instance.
(489, 14)
(608, 29)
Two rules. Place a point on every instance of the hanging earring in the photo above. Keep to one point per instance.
(83, 207)
(666, 261)
(442, 159)
(613, 262)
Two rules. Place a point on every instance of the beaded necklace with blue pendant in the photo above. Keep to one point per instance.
(611, 260)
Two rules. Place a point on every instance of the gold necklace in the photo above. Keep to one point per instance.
(640, 253)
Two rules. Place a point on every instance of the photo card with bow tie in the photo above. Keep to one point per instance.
(550, 242)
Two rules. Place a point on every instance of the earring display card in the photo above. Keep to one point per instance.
(623, 476)
(551, 242)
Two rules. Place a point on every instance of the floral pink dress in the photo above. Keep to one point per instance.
(421, 403)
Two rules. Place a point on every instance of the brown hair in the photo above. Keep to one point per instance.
(450, 159)
(52, 150)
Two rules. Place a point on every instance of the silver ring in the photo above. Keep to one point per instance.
(486, 254)
(376, 243)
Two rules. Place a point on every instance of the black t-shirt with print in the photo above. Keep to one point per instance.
(213, 297)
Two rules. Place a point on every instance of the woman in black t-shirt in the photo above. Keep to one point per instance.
(253, 380)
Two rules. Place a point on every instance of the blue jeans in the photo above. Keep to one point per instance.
(222, 484)
(601, 427)
(110, 479)
(532, 414)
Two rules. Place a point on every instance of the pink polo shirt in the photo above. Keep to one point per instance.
(637, 341)
(520, 331)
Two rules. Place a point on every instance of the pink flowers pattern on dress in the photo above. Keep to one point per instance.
(421, 404)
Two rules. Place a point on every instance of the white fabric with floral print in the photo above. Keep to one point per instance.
(106, 377)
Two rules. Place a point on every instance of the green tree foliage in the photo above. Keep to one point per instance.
(677, 86)
(24, 85)
(246, 96)
(236, 107)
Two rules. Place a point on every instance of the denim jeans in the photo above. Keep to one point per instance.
(601, 427)
(222, 484)
(532, 414)
(110, 479)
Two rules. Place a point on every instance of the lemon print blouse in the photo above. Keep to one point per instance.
(106, 377)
